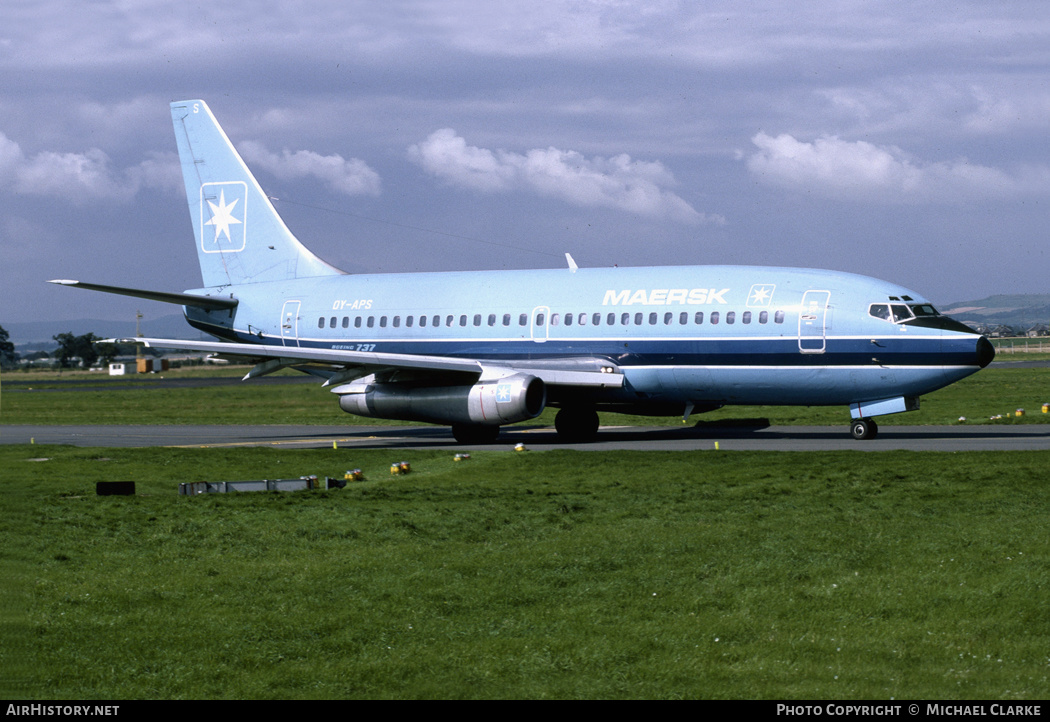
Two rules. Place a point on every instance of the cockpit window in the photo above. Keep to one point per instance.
(880, 310)
(901, 313)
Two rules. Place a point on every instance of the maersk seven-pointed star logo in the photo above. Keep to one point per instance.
(761, 294)
(222, 216)
(503, 393)
(227, 214)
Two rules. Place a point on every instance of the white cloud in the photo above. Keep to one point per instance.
(81, 177)
(160, 170)
(10, 158)
(352, 177)
(638, 187)
(857, 170)
(1015, 108)
(78, 176)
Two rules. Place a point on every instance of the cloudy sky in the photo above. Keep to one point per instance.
(907, 141)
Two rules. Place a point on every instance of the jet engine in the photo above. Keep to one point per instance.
(489, 402)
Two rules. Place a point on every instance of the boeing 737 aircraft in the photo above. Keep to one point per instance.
(477, 350)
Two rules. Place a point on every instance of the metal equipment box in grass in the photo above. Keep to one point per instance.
(224, 487)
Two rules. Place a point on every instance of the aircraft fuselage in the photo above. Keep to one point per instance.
(701, 335)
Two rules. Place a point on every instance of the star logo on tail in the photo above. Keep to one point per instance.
(222, 216)
(225, 211)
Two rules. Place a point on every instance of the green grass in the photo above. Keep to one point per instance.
(139, 400)
(556, 574)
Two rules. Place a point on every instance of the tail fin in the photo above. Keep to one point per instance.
(240, 237)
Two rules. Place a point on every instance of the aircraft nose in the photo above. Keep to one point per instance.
(985, 352)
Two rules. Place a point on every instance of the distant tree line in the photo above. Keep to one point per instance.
(8, 357)
(73, 351)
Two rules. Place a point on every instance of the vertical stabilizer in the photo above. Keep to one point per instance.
(240, 238)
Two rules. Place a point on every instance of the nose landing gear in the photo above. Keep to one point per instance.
(863, 429)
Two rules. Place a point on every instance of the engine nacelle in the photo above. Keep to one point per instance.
(490, 402)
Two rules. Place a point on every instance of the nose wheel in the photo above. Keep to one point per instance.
(863, 429)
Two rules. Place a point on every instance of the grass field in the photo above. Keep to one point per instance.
(560, 574)
(96, 398)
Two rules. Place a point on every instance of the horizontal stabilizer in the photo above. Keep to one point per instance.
(181, 299)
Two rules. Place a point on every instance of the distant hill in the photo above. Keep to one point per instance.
(1019, 311)
(36, 336)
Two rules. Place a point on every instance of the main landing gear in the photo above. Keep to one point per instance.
(863, 429)
(574, 424)
(475, 433)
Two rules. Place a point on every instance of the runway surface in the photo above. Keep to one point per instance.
(770, 438)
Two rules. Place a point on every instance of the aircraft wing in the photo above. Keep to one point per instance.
(353, 364)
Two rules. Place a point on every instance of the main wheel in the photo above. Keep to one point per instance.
(475, 433)
(576, 424)
(863, 429)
